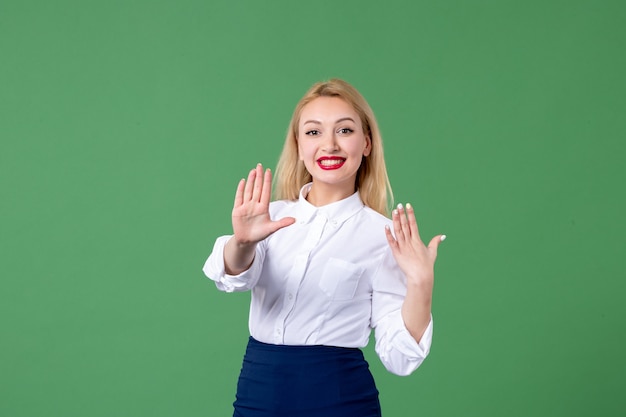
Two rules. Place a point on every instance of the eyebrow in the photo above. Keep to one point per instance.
(343, 119)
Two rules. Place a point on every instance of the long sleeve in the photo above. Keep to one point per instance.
(215, 270)
(395, 346)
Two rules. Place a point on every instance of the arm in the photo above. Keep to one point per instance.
(215, 269)
(236, 261)
(396, 347)
(417, 262)
(403, 296)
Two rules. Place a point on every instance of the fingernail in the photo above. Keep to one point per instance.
(400, 206)
(408, 206)
(395, 212)
(443, 237)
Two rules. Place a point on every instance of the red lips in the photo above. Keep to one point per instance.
(330, 162)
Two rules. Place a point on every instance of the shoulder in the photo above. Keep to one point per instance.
(368, 228)
(373, 217)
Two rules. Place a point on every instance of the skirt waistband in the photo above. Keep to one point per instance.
(305, 381)
(286, 353)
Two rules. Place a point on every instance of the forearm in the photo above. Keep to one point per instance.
(416, 308)
(238, 257)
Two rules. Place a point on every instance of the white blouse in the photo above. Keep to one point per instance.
(328, 279)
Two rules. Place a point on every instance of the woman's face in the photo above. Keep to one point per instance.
(331, 144)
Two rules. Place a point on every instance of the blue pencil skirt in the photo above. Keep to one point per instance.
(305, 381)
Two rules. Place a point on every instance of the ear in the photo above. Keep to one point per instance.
(368, 146)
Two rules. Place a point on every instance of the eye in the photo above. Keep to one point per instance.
(313, 132)
(345, 131)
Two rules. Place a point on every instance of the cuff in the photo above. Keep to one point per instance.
(215, 270)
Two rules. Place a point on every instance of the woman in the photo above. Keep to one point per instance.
(324, 267)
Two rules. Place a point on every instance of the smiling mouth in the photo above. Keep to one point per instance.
(330, 163)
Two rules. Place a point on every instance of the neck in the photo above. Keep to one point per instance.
(321, 194)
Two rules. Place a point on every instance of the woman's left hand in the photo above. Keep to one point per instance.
(415, 259)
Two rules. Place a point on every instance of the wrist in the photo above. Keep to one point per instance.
(243, 245)
(422, 289)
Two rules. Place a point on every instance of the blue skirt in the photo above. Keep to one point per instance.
(305, 381)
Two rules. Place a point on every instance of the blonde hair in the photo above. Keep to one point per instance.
(372, 181)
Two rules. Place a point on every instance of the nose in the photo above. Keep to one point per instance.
(330, 143)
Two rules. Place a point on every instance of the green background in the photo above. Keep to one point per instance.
(125, 126)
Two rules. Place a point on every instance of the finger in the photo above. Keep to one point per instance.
(247, 193)
(284, 222)
(275, 226)
(410, 212)
(404, 222)
(258, 183)
(397, 225)
(239, 193)
(435, 242)
(390, 239)
(266, 193)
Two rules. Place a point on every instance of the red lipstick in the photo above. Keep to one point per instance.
(330, 162)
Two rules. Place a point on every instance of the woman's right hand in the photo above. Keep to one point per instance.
(251, 218)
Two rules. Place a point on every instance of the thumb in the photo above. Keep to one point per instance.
(284, 222)
(434, 242)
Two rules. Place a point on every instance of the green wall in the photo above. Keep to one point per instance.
(125, 126)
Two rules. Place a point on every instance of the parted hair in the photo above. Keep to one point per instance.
(372, 180)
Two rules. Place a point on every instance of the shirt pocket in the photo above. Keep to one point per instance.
(340, 279)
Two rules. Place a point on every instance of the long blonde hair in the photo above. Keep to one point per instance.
(372, 181)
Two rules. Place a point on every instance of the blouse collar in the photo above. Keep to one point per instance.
(335, 213)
